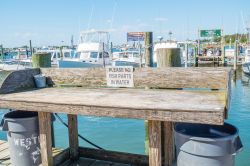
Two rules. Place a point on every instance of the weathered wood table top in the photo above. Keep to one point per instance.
(166, 105)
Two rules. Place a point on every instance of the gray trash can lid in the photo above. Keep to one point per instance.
(209, 140)
(20, 121)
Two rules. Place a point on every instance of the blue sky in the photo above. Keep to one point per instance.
(49, 22)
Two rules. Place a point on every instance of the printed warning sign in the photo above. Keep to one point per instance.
(121, 76)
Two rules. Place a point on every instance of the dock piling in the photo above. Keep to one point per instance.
(31, 49)
(149, 48)
(235, 55)
(73, 137)
(2, 52)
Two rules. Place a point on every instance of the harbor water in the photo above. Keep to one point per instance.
(128, 135)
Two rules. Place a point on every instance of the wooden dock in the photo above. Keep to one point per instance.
(161, 96)
(5, 158)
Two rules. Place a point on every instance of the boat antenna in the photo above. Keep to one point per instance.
(113, 14)
(91, 15)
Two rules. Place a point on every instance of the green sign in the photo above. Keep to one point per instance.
(210, 33)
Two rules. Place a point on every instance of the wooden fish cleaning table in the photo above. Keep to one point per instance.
(203, 98)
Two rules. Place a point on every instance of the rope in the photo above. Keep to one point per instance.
(85, 139)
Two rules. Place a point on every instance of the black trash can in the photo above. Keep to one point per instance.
(23, 137)
(206, 145)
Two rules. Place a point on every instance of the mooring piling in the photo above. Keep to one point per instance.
(149, 48)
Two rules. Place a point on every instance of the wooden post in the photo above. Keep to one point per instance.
(111, 50)
(45, 138)
(61, 53)
(38, 61)
(235, 55)
(168, 58)
(2, 52)
(223, 49)
(168, 143)
(149, 48)
(199, 43)
(195, 56)
(41, 60)
(73, 137)
(103, 52)
(154, 130)
(186, 51)
(146, 136)
(31, 49)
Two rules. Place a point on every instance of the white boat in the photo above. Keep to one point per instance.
(128, 58)
(92, 51)
(246, 64)
(56, 54)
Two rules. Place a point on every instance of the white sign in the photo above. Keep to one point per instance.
(121, 76)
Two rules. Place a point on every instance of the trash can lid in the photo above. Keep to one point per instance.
(207, 140)
(205, 130)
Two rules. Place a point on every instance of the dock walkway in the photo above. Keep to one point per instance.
(5, 158)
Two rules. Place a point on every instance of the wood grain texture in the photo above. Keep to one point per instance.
(169, 57)
(45, 138)
(120, 157)
(174, 77)
(73, 136)
(154, 150)
(172, 105)
(18, 80)
(168, 143)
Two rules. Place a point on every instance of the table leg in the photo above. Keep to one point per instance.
(73, 137)
(45, 138)
(154, 151)
(168, 143)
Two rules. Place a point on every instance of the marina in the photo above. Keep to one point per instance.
(120, 83)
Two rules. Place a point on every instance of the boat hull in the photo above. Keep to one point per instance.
(125, 63)
(246, 68)
(76, 64)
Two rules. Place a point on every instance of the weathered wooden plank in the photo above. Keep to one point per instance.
(172, 105)
(228, 93)
(174, 77)
(18, 80)
(61, 157)
(154, 135)
(45, 138)
(169, 57)
(73, 136)
(119, 157)
(168, 143)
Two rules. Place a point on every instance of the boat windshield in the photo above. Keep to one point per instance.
(93, 55)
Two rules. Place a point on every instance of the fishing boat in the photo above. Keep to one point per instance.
(246, 64)
(128, 58)
(92, 51)
(56, 53)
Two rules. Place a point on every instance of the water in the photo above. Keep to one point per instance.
(127, 135)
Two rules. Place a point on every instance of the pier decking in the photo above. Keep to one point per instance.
(5, 158)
